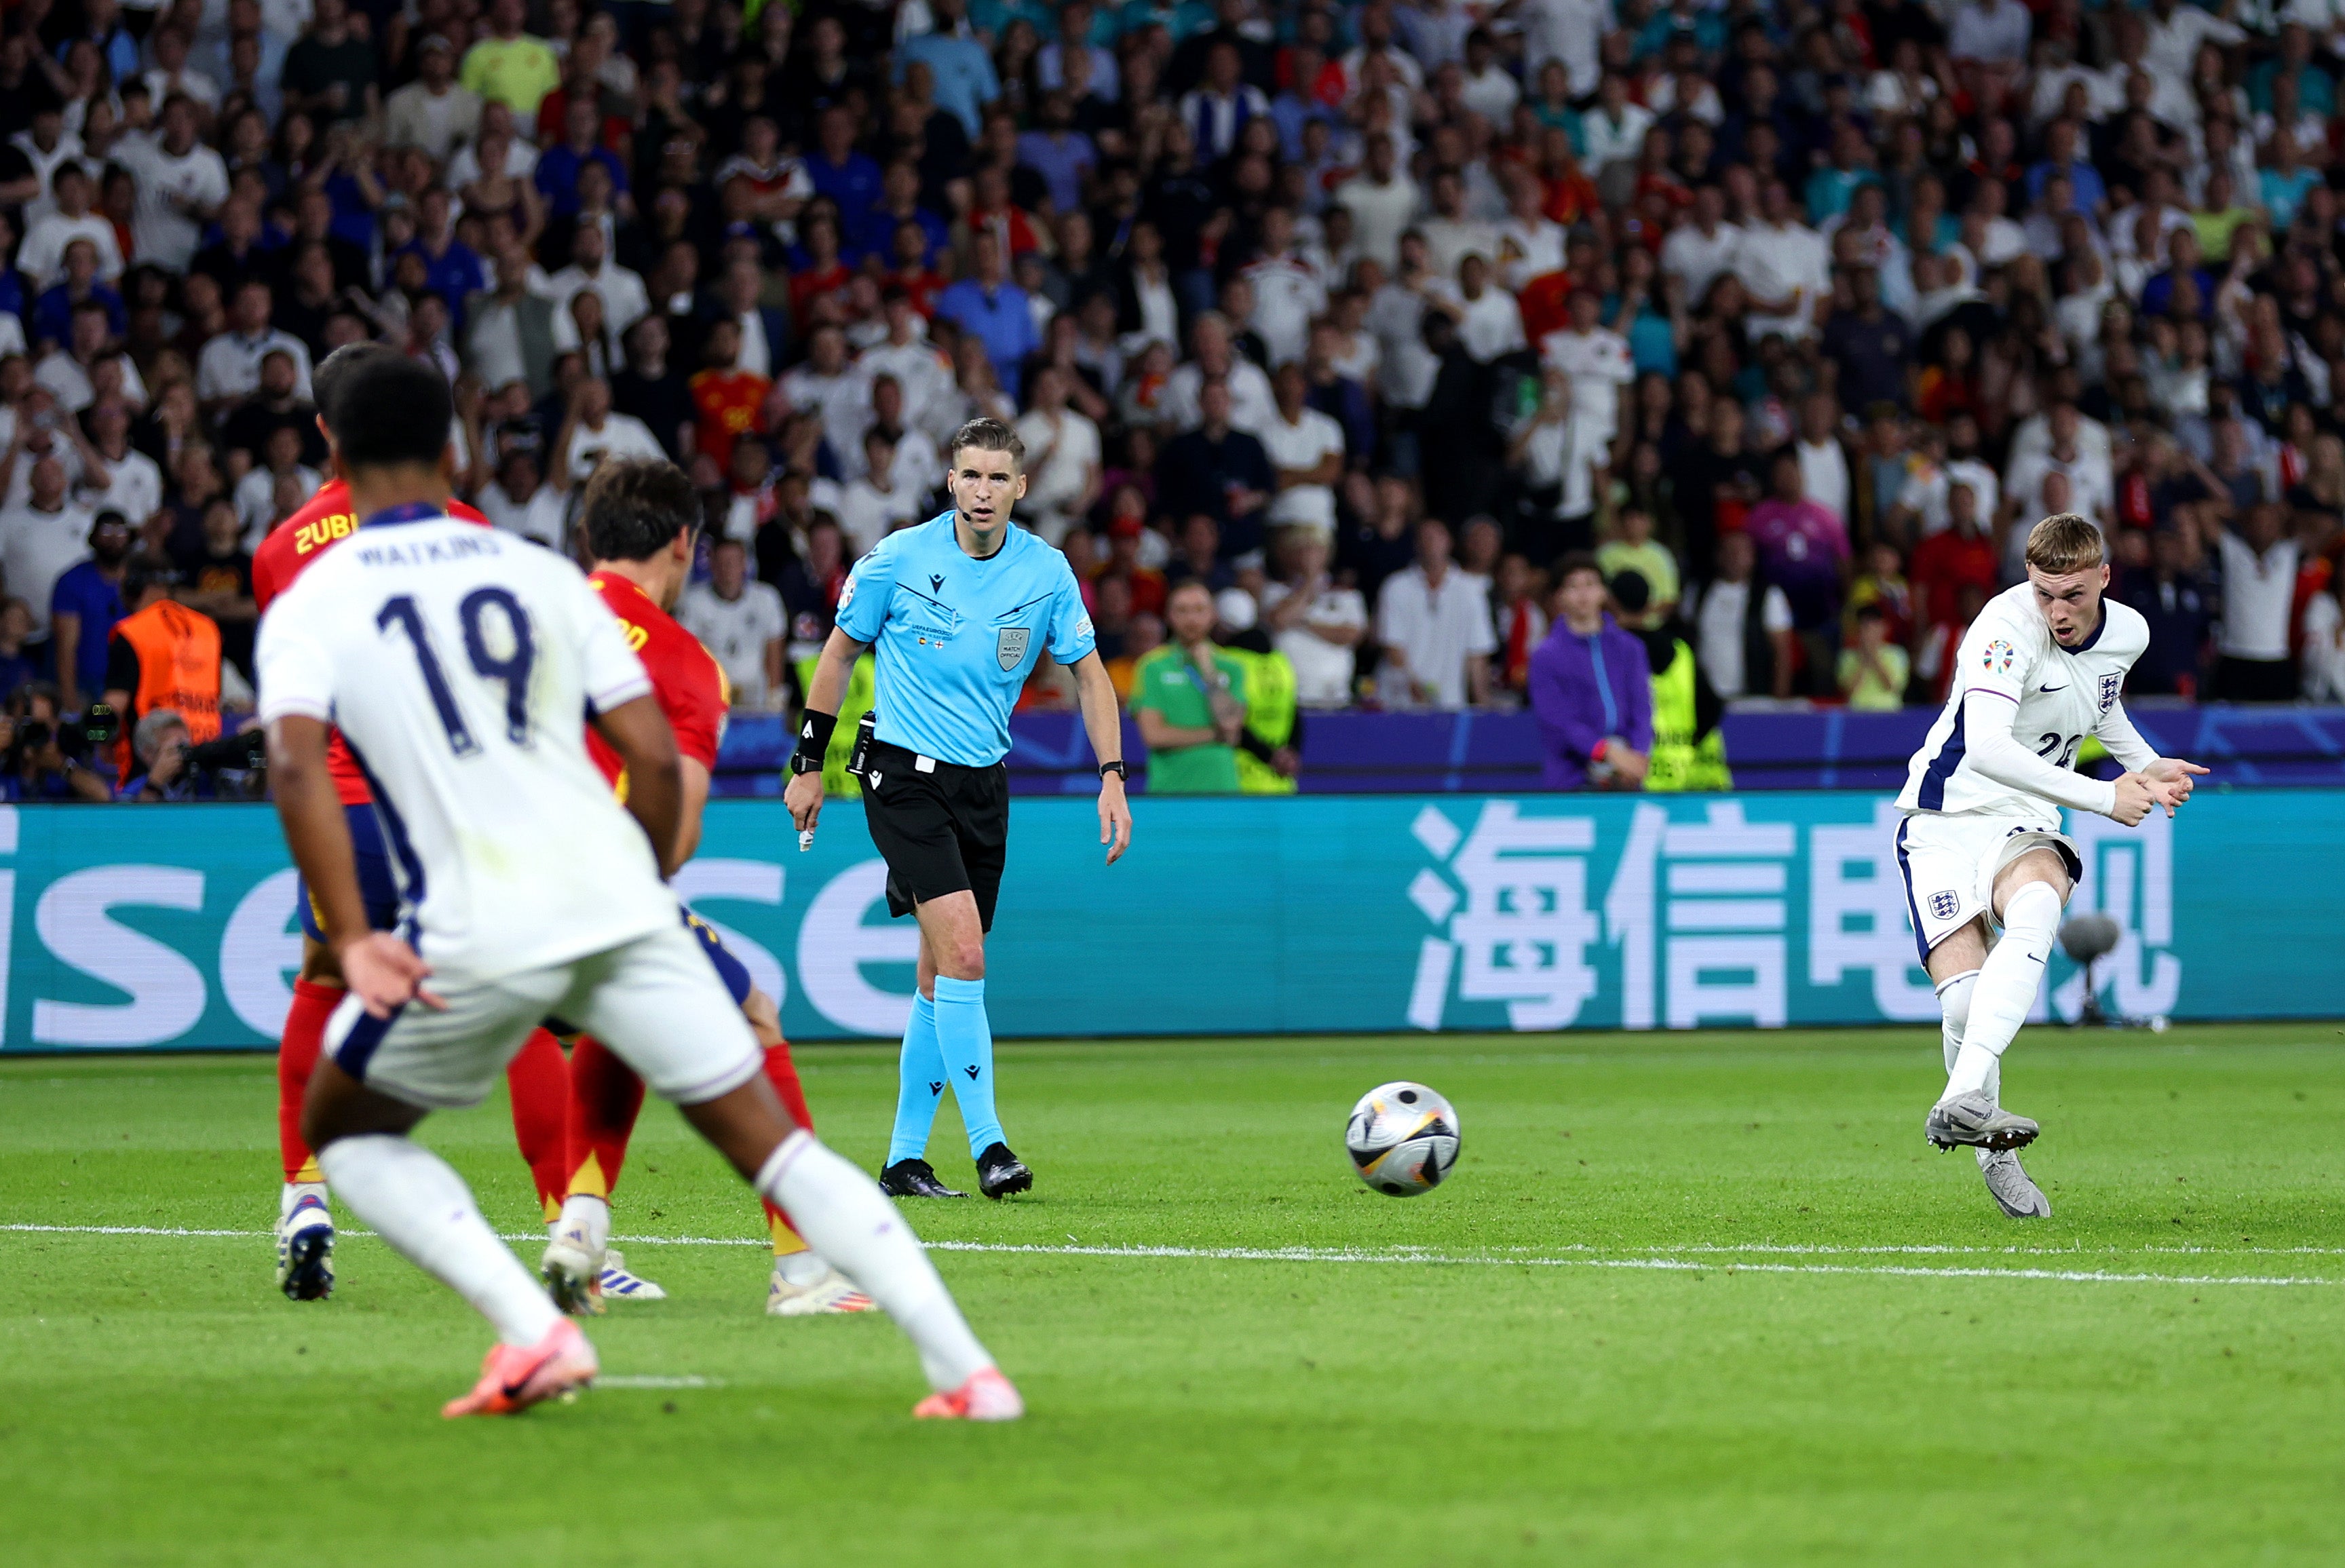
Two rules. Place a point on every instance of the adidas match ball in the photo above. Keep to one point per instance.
(1403, 1139)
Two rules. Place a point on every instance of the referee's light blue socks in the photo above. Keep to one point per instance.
(920, 1083)
(965, 1038)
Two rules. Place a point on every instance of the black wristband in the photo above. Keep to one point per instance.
(1117, 768)
(814, 736)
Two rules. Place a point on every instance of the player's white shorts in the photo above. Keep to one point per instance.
(1950, 864)
(655, 1002)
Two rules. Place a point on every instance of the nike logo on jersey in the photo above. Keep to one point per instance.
(2051, 688)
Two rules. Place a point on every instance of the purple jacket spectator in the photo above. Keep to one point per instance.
(1585, 689)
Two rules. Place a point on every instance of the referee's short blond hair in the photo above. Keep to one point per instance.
(2065, 542)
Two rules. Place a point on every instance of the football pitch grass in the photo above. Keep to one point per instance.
(1691, 1299)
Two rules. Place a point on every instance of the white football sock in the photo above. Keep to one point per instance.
(1954, 1003)
(843, 1217)
(801, 1269)
(295, 1191)
(592, 1215)
(422, 1207)
(2005, 989)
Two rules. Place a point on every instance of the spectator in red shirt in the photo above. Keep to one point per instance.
(1960, 555)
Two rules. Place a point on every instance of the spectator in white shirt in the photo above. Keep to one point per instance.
(181, 186)
(1614, 130)
(256, 492)
(1487, 90)
(1824, 462)
(1449, 232)
(1305, 448)
(592, 431)
(434, 112)
(1433, 623)
(1213, 359)
(41, 538)
(230, 367)
(2260, 563)
(1745, 648)
(1562, 454)
(1597, 359)
(1287, 292)
(742, 623)
(1530, 243)
(1571, 31)
(1316, 624)
(1063, 458)
(1705, 249)
(1786, 266)
(876, 505)
(1382, 201)
(1987, 40)
(70, 370)
(134, 481)
(42, 257)
(625, 300)
(1490, 322)
(519, 502)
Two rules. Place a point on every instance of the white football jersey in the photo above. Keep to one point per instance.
(2060, 696)
(460, 663)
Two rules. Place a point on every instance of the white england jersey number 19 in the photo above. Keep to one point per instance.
(462, 664)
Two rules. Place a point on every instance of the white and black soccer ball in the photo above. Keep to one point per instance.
(1403, 1139)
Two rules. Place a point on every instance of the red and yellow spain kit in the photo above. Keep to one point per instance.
(687, 680)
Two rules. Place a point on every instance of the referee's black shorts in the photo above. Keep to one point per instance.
(942, 829)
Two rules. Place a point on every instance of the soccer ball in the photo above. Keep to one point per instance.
(1403, 1139)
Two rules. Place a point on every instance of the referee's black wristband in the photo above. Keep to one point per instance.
(814, 737)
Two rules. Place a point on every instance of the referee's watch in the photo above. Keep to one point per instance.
(802, 764)
(1115, 767)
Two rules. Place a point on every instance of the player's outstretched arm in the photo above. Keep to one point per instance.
(1103, 721)
(639, 733)
(382, 971)
(825, 693)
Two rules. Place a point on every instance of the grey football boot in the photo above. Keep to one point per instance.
(2010, 1186)
(1976, 1120)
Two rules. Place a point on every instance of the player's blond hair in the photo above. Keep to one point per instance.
(2065, 542)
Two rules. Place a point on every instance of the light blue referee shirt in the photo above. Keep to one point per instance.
(956, 637)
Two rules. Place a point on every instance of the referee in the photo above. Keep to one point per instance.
(960, 608)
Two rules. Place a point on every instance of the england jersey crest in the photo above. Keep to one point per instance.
(1010, 649)
(1943, 906)
(2109, 685)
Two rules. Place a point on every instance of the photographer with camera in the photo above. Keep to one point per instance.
(163, 655)
(173, 767)
(43, 759)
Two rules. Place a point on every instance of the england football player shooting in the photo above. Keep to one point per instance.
(1981, 846)
(960, 608)
(457, 662)
(536, 1077)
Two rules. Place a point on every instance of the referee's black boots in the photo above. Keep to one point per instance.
(1001, 1173)
(914, 1179)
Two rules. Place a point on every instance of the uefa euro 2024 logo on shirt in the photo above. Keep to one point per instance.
(1999, 657)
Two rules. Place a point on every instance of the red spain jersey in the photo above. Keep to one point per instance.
(731, 404)
(324, 521)
(687, 680)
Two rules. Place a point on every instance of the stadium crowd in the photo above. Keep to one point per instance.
(1458, 351)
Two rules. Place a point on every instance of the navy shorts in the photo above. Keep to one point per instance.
(729, 969)
(377, 886)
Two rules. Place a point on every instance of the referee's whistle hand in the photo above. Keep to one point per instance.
(803, 796)
(1116, 818)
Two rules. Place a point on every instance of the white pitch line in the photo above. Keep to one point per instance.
(1664, 1260)
(648, 1381)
